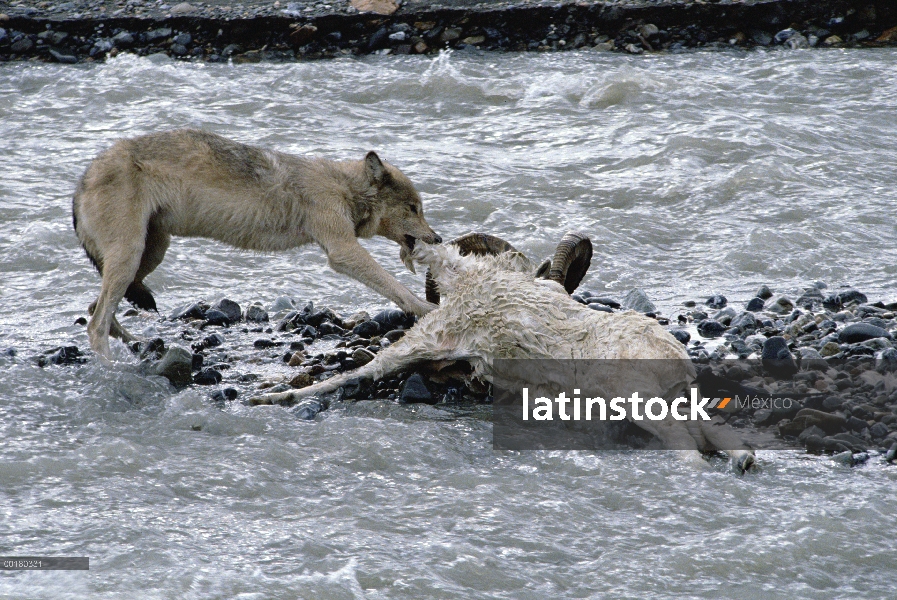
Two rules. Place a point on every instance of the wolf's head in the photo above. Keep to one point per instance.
(399, 208)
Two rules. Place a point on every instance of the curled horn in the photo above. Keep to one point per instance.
(473, 243)
(571, 261)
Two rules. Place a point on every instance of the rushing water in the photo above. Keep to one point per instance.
(694, 174)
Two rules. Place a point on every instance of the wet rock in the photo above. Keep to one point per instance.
(637, 300)
(784, 35)
(781, 306)
(356, 389)
(123, 39)
(198, 360)
(754, 304)
(256, 314)
(328, 328)
(175, 365)
(367, 329)
(65, 355)
(810, 298)
(207, 377)
(777, 359)
(392, 319)
(229, 308)
(151, 350)
(605, 301)
(745, 321)
(879, 431)
(856, 424)
(308, 409)
(224, 395)
(716, 302)
(266, 343)
(711, 328)
(860, 332)
(415, 391)
(216, 317)
(194, 310)
(812, 430)
(681, 335)
(843, 298)
(362, 357)
(302, 379)
(69, 59)
(764, 293)
(282, 303)
(394, 336)
(633, 49)
(21, 46)
(216, 339)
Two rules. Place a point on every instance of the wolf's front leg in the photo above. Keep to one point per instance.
(353, 260)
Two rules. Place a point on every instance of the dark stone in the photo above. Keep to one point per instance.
(256, 314)
(157, 34)
(415, 391)
(878, 431)
(681, 335)
(809, 298)
(153, 349)
(830, 423)
(175, 365)
(178, 50)
(225, 394)
(216, 339)
(66, 355)
(266, 343)
(812, 430)
(308, 332)
(764, 293)
(195, 310)
(856, 444)
(832, 403)
(23, 45)
(184, 39)
(308, 409)
(379, 39)
(328, 328)
(777, 359)
(216, 317)
(784, 35)
(860, 332)
(316, 318)
(207, 377)
(196, 363)
(230, 308)
(366, 329)
(123, 40)
(745, 321)
(755, 304)
(395, 335)
(814, 443)
(711, 328)
(297, 346)
(80, 321)
(68, 59)
(856, 424)
(717, 301)
(838, 300)
(357, 389)
(392, 318)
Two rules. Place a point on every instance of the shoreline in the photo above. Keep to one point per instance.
(216, 31)
(839, 351)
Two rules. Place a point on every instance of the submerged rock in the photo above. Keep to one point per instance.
(175, 365)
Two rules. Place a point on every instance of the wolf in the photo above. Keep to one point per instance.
(137, 194)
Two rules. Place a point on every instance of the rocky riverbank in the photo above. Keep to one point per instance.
(831, 354)
(252, 31)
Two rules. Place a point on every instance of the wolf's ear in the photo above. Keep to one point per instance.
(374, 167)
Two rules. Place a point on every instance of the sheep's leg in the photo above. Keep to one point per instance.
(721, 436)
(674, 435)
(391, 360)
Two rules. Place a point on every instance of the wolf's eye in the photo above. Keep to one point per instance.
(414, 208)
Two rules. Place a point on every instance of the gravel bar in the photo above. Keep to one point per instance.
(88, 30)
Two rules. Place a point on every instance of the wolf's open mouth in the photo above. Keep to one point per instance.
(405, 252)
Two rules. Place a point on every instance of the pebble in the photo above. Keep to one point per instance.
(716, 302)
(256, 314)
(175, 365)
(415, 391)
(711, 328)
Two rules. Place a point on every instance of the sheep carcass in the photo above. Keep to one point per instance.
(493, 305)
